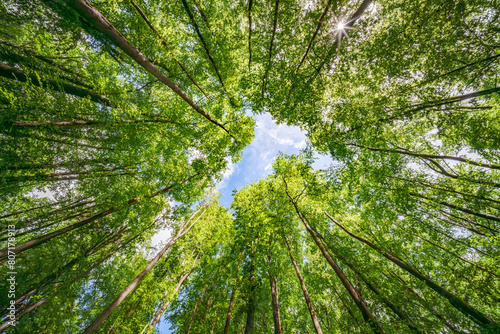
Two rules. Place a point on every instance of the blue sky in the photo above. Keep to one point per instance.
(270, 139)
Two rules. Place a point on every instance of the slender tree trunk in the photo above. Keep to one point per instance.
(44, 238)
(372, 287)
(456, 302)
(231, 302)
(429, 307)
(107, 312)
(62, 124)
(275, 304)
(275, 23)
(309, 304)
(318, 27)
(205, 46)
(252, 300)
(249, 33)
(90, 13)
(164, 43)
(215, 321)
(196, 308)
(429, 156)
(360, 303)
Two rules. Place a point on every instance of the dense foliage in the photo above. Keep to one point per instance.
(118, 119)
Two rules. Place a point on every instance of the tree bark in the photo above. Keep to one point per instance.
(372, 287)
(429, 156)
(91, 14)
(205, 46)
(309, 304)
(275, 23)
(320, 23)
(478, 317)
(231, 302)
(107, 312)
(275, 304)
(165, 306)
(43, 239)
(360, 303)
(196, 308)
(18, 74)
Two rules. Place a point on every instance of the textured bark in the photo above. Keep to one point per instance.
(384, 299)
(309, 304)
(92, 15)
(107, 312)
(360, 303)
(455, 301)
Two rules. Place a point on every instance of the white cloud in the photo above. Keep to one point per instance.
(231, 168)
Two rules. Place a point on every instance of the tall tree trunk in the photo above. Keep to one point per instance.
(205, 46)
(360, 303)
(455, 301)
(196, 308)
(275, 23)
(164, 43)
(231, 302)
(275, 304)
(309, 304)
(91, 14)
(429, 156)
(372, 287)
(311, 41)
(177, 287)
(44, 238)
(107, 312)
(18, 74)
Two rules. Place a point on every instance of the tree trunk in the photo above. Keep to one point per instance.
(231, 302)
(43, 239)
(18, 74)
(252, 300)
(144, 17)
(196, 308)
(360, 303)
(107, 312)
(165, 306)
(99, 22)
(456, 302)
(304, 290)
(384, 299)
(275, 304)
(205, 46)
(320, 23)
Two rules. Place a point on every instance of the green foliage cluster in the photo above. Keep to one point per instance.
(118, 118)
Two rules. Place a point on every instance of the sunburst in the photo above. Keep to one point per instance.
(340, 27)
